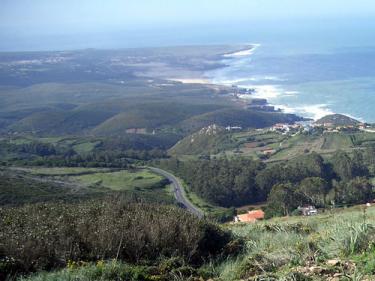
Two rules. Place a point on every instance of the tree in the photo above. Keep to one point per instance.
(343, 166)
(359, 167)
(358, 190)
(282, 200)
(314, 189)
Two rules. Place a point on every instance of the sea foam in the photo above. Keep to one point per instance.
(243, 53)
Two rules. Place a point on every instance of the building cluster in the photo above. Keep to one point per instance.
(233, 128)
(309, 126)
(287, 128)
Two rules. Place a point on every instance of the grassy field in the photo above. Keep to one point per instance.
(64, 171)
(252, 143)
(139, 183)
(121, 180)
(85, 147)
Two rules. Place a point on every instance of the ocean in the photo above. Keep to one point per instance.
(311, 83)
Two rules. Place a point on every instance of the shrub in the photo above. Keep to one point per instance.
(46, 236)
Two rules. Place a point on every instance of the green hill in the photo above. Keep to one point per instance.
(338, 120)
(61, 122)
(151, 116)
(205, 141)
(39, 122)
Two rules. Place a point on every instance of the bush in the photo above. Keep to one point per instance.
(46, 236)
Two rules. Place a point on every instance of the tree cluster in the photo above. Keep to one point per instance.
(309, 179)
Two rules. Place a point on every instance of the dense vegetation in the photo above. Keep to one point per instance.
(82, 152)
(309, 179)
(48, 236)
(336, 244)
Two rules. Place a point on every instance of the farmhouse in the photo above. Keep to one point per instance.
(250, 216)
(268, 151)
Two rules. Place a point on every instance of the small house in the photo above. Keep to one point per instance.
(250, 216)
(268, 151)
(308, 210)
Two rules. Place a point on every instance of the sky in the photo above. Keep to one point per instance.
(27, 21)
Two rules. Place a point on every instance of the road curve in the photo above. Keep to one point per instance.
(179, 192)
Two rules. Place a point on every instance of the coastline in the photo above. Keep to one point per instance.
(230, 71)
(263, 87)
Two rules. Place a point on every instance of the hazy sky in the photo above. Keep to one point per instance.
(25, 18)
(76, 15)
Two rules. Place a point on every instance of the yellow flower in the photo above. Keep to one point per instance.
(100, 264)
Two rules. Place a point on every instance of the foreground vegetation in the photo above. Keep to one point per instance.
(335, 245)
(50, 236)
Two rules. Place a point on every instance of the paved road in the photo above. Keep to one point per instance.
(179, 192)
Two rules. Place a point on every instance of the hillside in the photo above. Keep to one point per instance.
(245, 118)
(206, 141)
(335, 245)
(330, 246)
(337, 120)
(151, 116)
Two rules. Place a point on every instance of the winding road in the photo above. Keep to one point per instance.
(179, 192)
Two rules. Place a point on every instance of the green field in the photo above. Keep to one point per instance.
(39, 184)
(85, 147)
(121, 180)
(251, 143)
(65, 171)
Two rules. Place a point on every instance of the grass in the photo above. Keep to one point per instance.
(63, 171)
(104, 271)
(167, 270)
(337, 141)
(250, 144)
(121, 180)
(69, 183)
(85, 147)
(283, 247)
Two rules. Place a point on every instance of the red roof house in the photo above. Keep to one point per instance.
(250, 217)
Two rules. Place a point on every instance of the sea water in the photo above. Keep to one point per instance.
(332, 71)
(311, 84)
